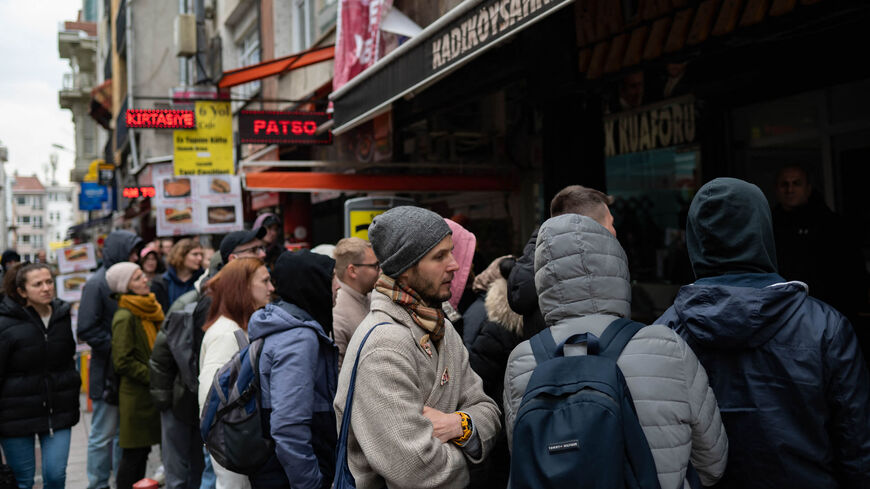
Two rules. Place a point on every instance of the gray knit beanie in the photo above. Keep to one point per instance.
(403, 235)
(118, 276)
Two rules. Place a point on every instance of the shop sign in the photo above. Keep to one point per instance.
(670, 123)
(486, 24)
(160, 119)
(196, 204)
(92, 196)
(288, 127)
(136, 192)
(208, 149)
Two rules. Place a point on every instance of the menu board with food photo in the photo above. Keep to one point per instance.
(69, 287)
(77, 258)
(196, 204)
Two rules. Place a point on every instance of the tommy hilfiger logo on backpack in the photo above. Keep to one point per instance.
(563, 446)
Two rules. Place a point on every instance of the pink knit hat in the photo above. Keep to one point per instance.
(464, 243)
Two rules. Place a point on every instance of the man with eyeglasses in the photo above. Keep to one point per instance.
(357, 270)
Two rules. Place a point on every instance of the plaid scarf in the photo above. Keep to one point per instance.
(429, 318)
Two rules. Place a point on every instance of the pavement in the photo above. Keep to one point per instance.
(76, 469)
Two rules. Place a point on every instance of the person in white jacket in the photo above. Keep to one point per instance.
(581, 276)
(241, 287)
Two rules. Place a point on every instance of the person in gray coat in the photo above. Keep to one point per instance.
(96, 311)
(581, 276)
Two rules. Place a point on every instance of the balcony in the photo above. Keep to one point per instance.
(75, 89)
(121, 29)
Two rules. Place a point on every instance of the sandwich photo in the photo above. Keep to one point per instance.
(220, 186)
(221, 215)
(74, 254)
(74, 283)
(176, 187)
(179, 215)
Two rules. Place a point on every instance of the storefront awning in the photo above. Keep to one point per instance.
(275, 66)
(470, 29)
(285, 181)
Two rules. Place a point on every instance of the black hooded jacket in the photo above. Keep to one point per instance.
(786, 369)
(97, 308)
(522, 296)
(39, 383)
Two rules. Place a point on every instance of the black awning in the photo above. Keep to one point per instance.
(467, 31)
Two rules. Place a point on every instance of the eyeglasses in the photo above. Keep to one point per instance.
(252, 249)
(376, 265)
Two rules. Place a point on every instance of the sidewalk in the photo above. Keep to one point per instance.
(76, 470)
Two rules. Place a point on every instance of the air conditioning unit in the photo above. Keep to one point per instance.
(185, 35)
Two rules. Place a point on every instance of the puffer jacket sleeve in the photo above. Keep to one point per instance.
(293, 362)
(389, 425)
(163, 372)
(124, 346)
(522, 296)
(709, 441)
(848, 390)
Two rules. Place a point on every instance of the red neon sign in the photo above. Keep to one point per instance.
(134, 192)
(288, 127)
(161, 119)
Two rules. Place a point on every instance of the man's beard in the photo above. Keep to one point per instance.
(427, 292)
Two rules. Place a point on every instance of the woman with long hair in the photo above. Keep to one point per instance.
(39, 383)
(134, 329)
(237, 291)
(185, 266)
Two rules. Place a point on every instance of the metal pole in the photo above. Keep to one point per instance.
(130, 74)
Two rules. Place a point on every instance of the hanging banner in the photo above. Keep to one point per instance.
(77, 258)
(92, 196)
(208, 149)
(69, 287)
(197, 204)
(357, 37)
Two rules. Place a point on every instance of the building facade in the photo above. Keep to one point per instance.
(29, 214)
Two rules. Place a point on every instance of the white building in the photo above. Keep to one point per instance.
(61, 213)
(5, 200)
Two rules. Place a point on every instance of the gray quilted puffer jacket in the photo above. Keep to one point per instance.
(581, 274)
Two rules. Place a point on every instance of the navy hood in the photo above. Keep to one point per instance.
(730, 230)
(280, 316)
(304, 278)
(738, 311)
(118, 246)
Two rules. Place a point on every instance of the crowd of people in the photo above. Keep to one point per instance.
(394, 358)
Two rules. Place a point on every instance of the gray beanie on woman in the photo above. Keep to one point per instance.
(403, 235)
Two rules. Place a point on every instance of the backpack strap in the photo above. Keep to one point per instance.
(341, 447)
(616, 336)
(543, 346)
(241, 339)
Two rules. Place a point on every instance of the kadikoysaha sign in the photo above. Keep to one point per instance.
(669, 123)
(484, 25)
(208, 149)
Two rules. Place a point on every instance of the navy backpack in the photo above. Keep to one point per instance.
(577, 425)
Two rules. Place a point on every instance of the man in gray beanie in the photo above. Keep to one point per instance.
(419, 411)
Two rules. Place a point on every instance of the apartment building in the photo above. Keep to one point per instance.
(28, 213)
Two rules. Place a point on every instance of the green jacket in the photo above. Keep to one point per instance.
(140, 420)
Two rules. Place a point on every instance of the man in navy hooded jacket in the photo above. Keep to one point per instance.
(298, 373)
(792, 386)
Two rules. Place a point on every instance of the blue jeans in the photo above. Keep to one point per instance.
(209, 479)
(104, 450)
(21, 456)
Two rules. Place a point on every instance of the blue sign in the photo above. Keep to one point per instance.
(92, 196)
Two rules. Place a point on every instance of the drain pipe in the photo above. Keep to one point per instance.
(130, 102)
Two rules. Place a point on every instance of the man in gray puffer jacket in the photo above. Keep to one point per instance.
(581, 275)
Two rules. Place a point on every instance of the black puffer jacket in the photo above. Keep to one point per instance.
(39, 383)
(522, 296)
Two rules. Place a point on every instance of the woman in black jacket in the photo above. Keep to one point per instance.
(39, 383)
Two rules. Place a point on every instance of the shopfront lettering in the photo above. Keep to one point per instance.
(669, 124)
(291, 127)
(160, 119)
(484, 25)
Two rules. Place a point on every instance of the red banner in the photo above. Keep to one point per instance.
(358, 37)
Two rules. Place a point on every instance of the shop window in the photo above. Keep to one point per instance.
(653, 190)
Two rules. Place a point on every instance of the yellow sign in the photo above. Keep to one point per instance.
(56, 245)
(360, 222)
(208, 149)
(93, 170)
